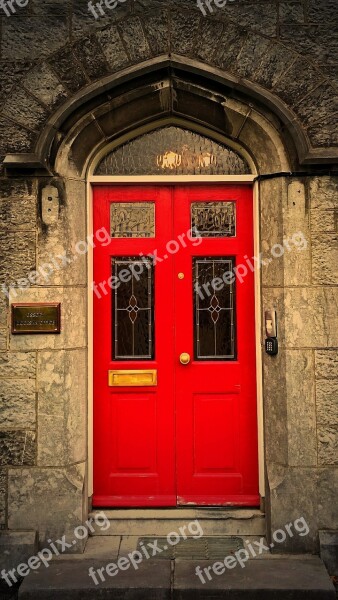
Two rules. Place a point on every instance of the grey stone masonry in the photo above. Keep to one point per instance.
(51, 52)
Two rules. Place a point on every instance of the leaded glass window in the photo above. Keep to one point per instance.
(133, 308)
(132, 219)
(214, 308)
(173, 151)
(213, 219)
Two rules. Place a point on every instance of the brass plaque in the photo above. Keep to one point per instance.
(36, 318)
(132, 378)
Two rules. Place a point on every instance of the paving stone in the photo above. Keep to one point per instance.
(280, 578)
(16, 547)
(151, 580)
(328, 541)
(61, 490)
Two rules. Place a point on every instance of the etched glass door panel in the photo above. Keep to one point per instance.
(214, 308)
(133, 307)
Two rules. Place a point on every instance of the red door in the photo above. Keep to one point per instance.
(174, 347)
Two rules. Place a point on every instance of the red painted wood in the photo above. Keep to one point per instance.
(134, 427)
(195, 442)
(216, 419)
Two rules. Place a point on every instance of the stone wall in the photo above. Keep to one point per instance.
(284, 55)
(301, 417)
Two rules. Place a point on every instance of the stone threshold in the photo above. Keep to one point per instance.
(277, 577)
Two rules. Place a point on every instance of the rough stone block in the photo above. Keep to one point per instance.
(3, 310)
(44, 85)
(3, 496)
(327, 401)
(14, 138)
(17, 547)
(184, 27)
(17, 448)
(297, 82)
(210, 36)
(17, 256)
(293, 495)
(251, 16)
(18, 364)
(301, 408)
(275, 62)
(23, 109)
(273, 195)
(61, 490)
(17, 403)
(18, 212)
(226, 54)
(62, 407)
(324, 221)
(88, 52)
(251, 55)
(323, 193)
(12, 72)
(42, 37)
(319, 105)
(297, 255)
(311, 317)
(135, 41)
(67, 69)
(3, 340)
(325, 258)
(326, 364)
(156, 26)
(113, 48)
(328, 542)
(62, 237)
(327, 445)
(73, 319)
(291, 13)
(327, 507)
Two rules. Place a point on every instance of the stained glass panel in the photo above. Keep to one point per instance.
(214, 308)
(173, 151)
(133, 308)
(213, 219)
(132, 219)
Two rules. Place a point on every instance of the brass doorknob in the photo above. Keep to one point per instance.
(185, 358)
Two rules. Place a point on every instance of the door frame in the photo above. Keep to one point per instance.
(251, 180)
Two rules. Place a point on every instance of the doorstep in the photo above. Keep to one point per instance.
(277, 577)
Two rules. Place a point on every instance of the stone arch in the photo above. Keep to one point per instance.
(294, 89)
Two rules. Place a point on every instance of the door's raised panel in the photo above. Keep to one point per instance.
(134, 433)
(215, 433)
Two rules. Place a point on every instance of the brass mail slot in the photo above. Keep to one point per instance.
(132, 378)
